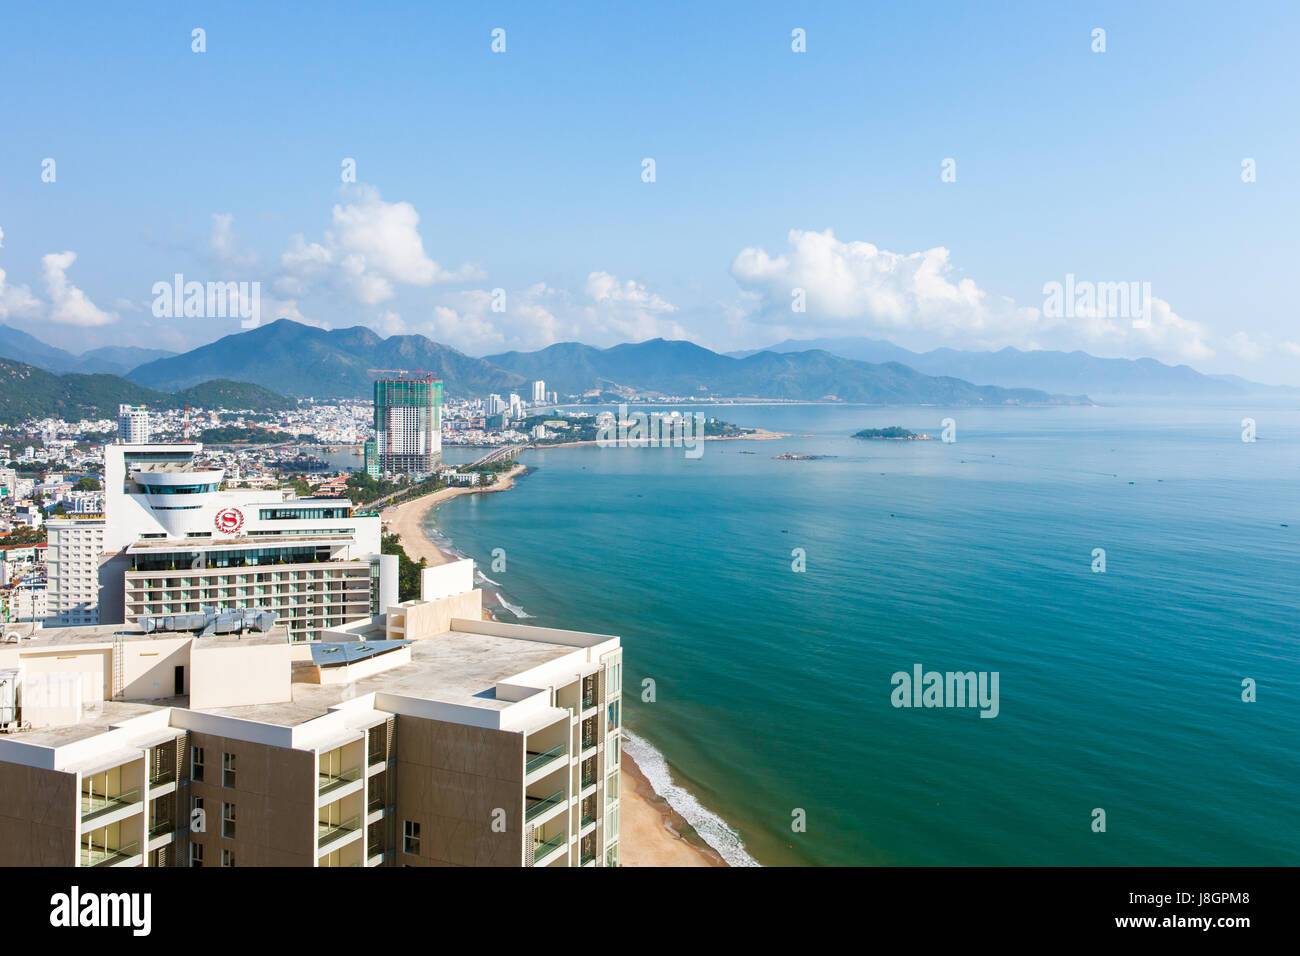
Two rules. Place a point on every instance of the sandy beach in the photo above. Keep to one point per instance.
(650, 832)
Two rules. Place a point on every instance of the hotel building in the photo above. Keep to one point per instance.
(170, 542)
(408, 424)
(423, 737)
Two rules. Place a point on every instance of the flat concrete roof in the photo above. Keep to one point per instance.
(108, 715)
(51, 637)
(455, 667)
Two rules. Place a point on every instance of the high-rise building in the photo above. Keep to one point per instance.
(494, 404)
(516, 406)
(408, 424)
(73, 567)
(171, 542)
(426, 737)
(133, 424)
(539, 392)
(371, 452)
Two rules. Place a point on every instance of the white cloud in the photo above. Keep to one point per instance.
(372, 246)
(68, 304)
(1292, 348)
(606, 312)
(225, 248)
(856, 288)
(1243, 345)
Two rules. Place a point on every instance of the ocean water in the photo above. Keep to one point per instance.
(764, 694)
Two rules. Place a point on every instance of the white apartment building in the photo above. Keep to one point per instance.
(539, 392)
(494, 404)
(171, 542)
(72, 569)
(133, 424)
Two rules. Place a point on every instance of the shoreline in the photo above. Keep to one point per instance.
(651, 833)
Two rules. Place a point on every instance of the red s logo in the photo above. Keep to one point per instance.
(229, 520)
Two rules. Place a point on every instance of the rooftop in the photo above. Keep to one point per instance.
(455, 667)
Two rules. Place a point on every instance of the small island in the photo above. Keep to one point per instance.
(892, 433)
(791, 456)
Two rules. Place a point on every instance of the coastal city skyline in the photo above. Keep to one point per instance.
(853, 441)
(913, 230)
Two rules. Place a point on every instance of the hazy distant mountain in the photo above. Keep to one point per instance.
(685, 369)
(30, 392)
(1071, 372)
(304, 361)
(19, 346)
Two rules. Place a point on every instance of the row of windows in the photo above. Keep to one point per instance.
(303, 514)
(227, 767)
(179, 489)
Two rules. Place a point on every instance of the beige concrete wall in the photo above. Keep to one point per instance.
(58, 686)
(442, 580)
(434, 617)
(149, 667)
(274, 798)
(233, 676)
(39, 811)
(450, 780)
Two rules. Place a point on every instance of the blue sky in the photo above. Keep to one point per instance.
(775, 171)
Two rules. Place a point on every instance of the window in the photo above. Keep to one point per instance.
(198, 817)
(410, 837)
(613, 715)
(196, 764)
(228, 770)
(196, 854)
(228, 820)
(227, 857)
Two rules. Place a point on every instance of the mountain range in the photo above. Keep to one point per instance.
(111, 359)
(304, 361)
(29, 392)
(1101, 378)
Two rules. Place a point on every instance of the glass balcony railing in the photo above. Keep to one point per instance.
(161, 829)
(329, 831)
(588, 818)
(327, 782)
(376, 803)
(588, 741)
(162, 776)
(97, 804)
(539, 805)
(377, 756)
(538, 760)
(107, 856)
(588, 701)
(541, 850)
(587, 858)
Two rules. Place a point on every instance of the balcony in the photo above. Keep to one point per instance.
(587, 819)
(539, 805)
(325, 832)
(329, 782)
(108, 856)
(543, 850)
(377, 758)
(162, 776)
(96, 805)
(376, 803)
(587, 859)
(589, 700)
(538, 760)
(161, 829)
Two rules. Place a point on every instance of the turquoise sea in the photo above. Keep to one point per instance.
(1119, 691)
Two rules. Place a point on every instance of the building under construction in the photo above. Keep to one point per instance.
(408, 422)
